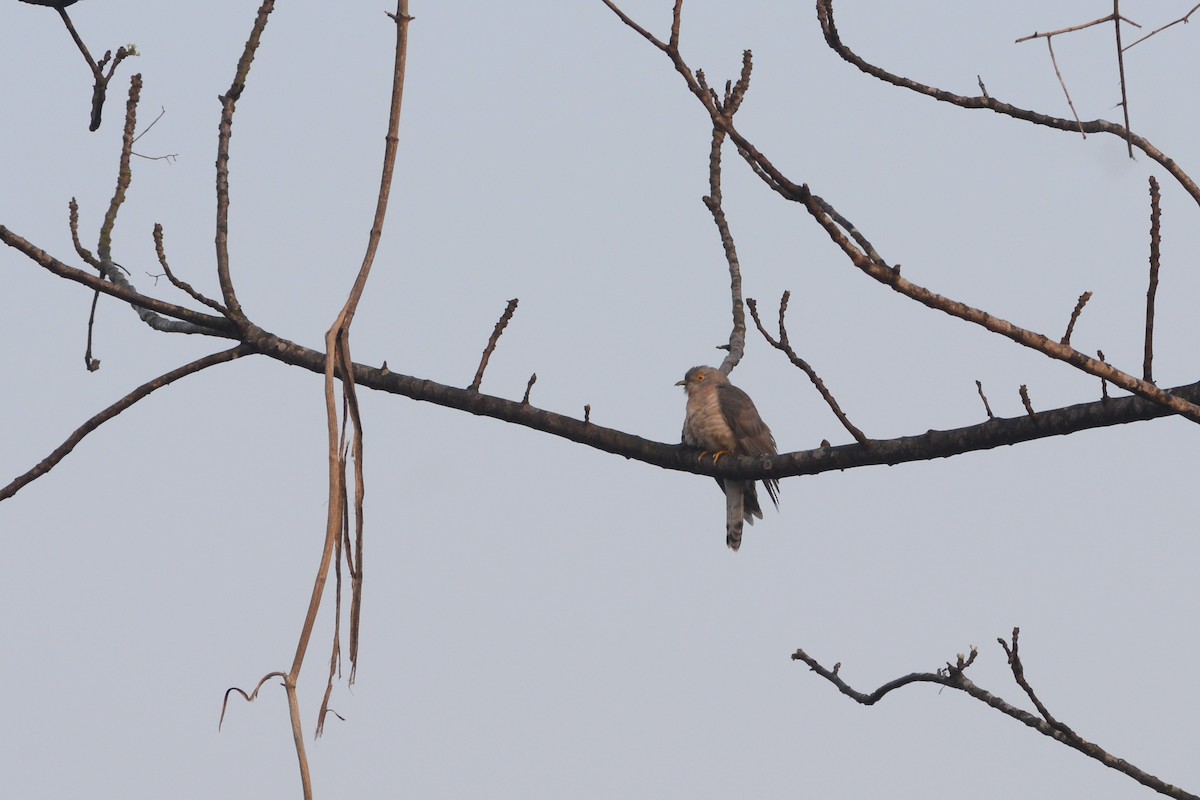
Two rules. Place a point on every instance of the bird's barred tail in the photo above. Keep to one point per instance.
(734, 514)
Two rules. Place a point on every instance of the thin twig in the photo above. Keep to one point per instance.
(1103, 383)
(1063, 84)
(162, 111)
(178, 283)
(92, 364)
(986, 405)
(501, 324)
(1024, 392)
(1121, 70)
(1018, 670)
(784, 345)
(1152, 291)
(528, 388)
(169, 157)
(1083, 299)
(60, 452)
(1184, 18)
(80, 250)
(1071, 29)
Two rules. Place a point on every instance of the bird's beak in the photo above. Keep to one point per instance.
(682, 383)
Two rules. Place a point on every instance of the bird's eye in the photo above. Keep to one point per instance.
(700, 377)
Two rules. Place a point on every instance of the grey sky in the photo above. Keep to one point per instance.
(543, 620)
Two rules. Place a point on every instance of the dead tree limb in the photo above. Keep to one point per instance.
(953, 676)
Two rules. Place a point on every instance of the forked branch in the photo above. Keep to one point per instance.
(837, 228)
(953, 676)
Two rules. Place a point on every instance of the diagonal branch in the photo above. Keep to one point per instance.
(784, 345)
(60, 452)
(490, 347)
(117, 286)
(954, 676)
(1185, 18)
(833, 39)
(891, 276)
(225, 133)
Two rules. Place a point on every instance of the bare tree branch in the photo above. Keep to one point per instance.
(1024, 392)
(60, 452)
(986, 405)
(1117, 18)
(1152, 291)
(784, 345)
(1185, 18)
(954, 676)
(124, 175)
(713, 202)
(501, 324)
(833, 39)
(878, 269)
(1063, 84)
(1083, 299)
(184, 286)
(100, 78)
(225, 133)
(190, 321)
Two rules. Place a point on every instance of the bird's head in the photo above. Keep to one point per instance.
(699, 377)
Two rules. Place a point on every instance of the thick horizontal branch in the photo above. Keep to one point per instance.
(215, 326)
(929, 445)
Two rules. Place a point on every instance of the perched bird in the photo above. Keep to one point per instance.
(721, 419)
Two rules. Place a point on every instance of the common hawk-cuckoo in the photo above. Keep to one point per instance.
(721, 420)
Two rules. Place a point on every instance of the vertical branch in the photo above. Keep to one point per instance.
(1121, 70)
(737, 336)
(124, 174)
(225, 132)
(728, 105)
(1152, 291)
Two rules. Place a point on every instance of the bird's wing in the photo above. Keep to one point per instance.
(751, 434)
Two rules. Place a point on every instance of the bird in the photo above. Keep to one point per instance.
(721, 420)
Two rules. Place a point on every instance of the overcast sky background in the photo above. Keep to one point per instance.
(543, 620)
